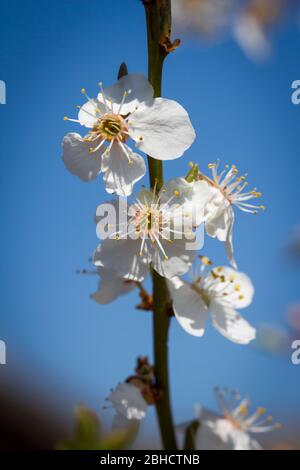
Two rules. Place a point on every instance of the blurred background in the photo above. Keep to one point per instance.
(233, 73)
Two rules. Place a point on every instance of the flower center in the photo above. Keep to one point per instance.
(111, 126)
(149, 222)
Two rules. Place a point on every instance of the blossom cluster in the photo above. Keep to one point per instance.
(163, 228)
(158, 229)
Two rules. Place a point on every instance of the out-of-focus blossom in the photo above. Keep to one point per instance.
(250, 22)
(251, 26)
(273, 339)
(131, 398)
(233, 427)
(128, 402)
(293, 317)
(221, 292)
(205, 17)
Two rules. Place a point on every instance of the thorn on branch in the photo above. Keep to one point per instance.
(168, 45)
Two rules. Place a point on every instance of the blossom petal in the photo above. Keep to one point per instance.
(136, 86)
(191, 197)
(122, 168)
(90, 112)
(162, 129)
(111, 287)
(219, 219)
(123, 257)
(189, 308)
(179, 258)
(229, 243)
(243, 441)
(246, 288)
(77, 158)
(231, 325)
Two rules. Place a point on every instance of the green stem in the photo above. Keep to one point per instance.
(158, 14)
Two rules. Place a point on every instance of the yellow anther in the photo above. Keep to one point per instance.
(219, 269)
(166, 258)
(205, 260)
(211, 165)
(141, 138)
(125, 93)
(191, 164)
(117, 236)
(83, 91)
(100, 84)
(237, 288)
(263, 208)
(242, 178)
(232, 278)
(243, 410)
(241, 297)
(176, 193)
(261, 411)
(66, 118)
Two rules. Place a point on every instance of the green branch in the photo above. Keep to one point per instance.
(158, 18)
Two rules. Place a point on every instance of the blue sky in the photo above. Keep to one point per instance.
(60, 342)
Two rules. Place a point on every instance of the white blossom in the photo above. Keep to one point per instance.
(127, 110)
(232, 428)
(224, 192)
(128, 403)
(221, 292)
(158, 230)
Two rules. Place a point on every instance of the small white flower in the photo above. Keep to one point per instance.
(226, 190)
(128, 403)
(158, 231)
(220, 292)
(127, 110)
(111, 286)
(232, 429)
